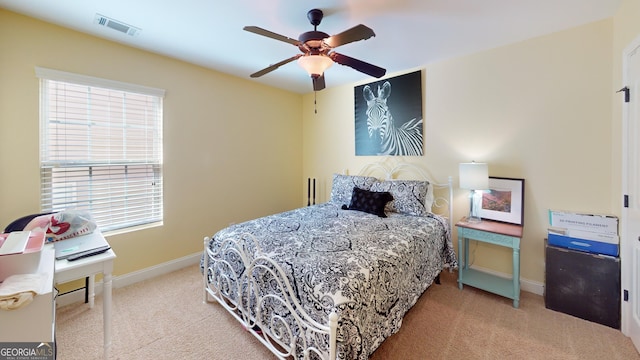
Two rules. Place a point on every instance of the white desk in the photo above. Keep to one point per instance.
(66, 271)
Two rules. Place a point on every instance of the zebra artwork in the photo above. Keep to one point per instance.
(388, 135)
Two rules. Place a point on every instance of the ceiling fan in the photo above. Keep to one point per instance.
(317, 50)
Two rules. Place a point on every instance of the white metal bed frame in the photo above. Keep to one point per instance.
(286, 342)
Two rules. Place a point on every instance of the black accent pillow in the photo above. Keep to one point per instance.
(371, 202)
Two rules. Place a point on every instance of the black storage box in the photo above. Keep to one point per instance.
(583, 285)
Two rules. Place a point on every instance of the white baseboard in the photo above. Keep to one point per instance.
(133, 277)
(156, 270)
(525, 284)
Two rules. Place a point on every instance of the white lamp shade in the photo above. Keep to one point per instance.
(315, 64)
(474, 176)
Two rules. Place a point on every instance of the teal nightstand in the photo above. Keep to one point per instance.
(496, 233)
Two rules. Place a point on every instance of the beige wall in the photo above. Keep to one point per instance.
(539, 110)
(232, 148)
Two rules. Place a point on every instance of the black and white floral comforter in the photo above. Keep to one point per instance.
(372, 270)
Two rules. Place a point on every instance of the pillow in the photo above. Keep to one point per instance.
(63, 225)
(410, 197)
(369, 201)
(342, 186)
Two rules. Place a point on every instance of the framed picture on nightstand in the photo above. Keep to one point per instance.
(504, 201)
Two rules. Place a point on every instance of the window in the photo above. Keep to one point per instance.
(100, 149)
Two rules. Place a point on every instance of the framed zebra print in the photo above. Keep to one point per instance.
(388, 116)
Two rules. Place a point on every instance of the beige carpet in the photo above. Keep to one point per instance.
(165, 318)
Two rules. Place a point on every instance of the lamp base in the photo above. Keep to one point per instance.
(473, 219)
(475, 204)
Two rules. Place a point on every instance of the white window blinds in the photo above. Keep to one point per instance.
(101, 149)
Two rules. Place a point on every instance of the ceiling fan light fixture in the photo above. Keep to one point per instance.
(315, 64)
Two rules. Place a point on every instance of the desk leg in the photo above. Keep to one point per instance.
(516, 277)
(107, 313)
(91, 289)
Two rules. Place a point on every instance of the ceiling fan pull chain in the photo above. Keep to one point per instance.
(315, 103)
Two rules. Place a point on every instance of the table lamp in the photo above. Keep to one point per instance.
(474, 176)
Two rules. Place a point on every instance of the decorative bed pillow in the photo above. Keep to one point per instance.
(342, 186)
(411, 197)
(369, 201)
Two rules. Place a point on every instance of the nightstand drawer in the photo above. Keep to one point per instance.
(489, 237)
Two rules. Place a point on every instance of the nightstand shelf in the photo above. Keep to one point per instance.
(496, 233)
(481, 280)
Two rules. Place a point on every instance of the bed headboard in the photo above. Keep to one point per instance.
(442, 192)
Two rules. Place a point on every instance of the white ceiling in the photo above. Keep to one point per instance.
(409, 33)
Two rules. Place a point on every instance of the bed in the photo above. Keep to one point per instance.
(334, 280)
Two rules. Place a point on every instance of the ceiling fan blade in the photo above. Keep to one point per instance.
(270, 34)
(318, 82)
(270, 68)
(356, 33)
(363, 67)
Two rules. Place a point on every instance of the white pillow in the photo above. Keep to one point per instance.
(342, 187)
(411, 197)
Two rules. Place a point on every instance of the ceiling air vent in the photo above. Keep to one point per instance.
(116, 25)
